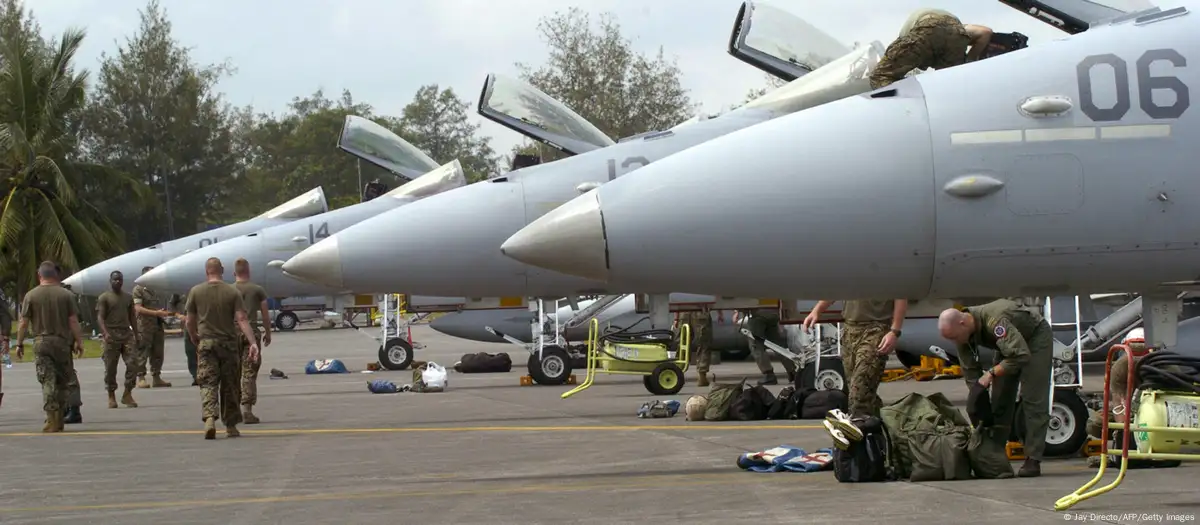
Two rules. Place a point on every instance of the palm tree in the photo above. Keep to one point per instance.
(41, 217)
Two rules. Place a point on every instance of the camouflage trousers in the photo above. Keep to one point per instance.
(701, 343)
(52, 362)
(249, 370)
(119, 346)
(218, 371)
(863, 364)
(935, 41)
(762, 326)
(74, 398)
(150, 348)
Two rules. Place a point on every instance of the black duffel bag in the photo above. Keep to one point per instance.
(483, 362)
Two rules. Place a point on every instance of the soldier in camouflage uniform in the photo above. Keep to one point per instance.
(115, 315)
(53, 315)
(700, 323)
(72, 413)
(255, 299)
(931, 38)
(762, 324)
(870, 329)
(1024, 346)
(215, 313)
(151, 332)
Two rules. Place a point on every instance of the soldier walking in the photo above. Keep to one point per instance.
(50, 311)
(115, 315)
(215, 313)
(1023, 360)
(151, 332)
(700, 323)
(255, 299)
(761, 324)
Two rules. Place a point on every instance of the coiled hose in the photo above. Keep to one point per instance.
(1169, 371)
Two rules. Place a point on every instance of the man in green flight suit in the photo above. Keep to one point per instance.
(1024, 346)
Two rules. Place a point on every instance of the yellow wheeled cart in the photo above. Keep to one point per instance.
(1167, 421)
(655, 354)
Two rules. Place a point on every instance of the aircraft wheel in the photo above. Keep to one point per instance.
(832, 375)
(665, 380)
(396, 354)
(286, 321)
(1065, 374)
(1067, 432)
(908, 359)
(553, 369)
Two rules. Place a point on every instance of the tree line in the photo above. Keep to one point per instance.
(146, 149)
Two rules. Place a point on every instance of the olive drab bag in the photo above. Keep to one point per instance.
(986, 451)
(929, 438)
(720, 398)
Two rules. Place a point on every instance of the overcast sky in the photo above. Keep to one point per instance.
(383, 50)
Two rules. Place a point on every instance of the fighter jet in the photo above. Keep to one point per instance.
(455, 253)
(1035, 172)
(267, 249)
(93, 280)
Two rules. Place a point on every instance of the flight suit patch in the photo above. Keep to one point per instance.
(999, 331)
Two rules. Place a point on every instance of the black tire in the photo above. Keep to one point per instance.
(396, 354)
(1068, 424)
(554, 368)
(666, 380)
(832, 372)
(908, 360)
(286, 321)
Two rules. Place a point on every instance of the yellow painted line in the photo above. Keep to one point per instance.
(1056, 134)
(401, 430)
(986, 137)
(642, 482)
(1137, 131)
(1008, 136)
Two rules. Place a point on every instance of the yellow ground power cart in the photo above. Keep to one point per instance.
(1164, 416)
(654, 354)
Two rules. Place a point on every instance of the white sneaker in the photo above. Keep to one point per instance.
(841, 420)
(839, 439)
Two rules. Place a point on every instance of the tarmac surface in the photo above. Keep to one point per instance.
(485, 451)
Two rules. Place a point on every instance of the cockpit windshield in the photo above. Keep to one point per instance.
(445, 177)
(376, 144)
(781, 43)
(306, 205)
(525, 109)
(1076, 16)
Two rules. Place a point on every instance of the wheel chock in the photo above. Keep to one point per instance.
(923, 374)
(1092, 448)
(894, 374)
(528, 380)
(950, 372)
(1014, 450)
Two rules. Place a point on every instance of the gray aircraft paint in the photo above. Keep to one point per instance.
(455, 252)
(872, 196)
(93, 280)
(285, 241)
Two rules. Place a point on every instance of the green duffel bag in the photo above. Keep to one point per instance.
(720, 399)
(914, 414)
(940, 454)
(986, 451)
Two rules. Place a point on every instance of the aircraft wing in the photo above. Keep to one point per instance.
(523, 108)
(1076, 16)
(780, 43)
(378, 145)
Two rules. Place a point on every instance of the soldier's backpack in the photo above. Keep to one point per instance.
(865, 460)
(820, 402)
(751, 404)
(783, 407)
(720, 398)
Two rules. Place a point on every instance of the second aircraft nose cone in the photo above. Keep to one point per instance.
(321, 264)
(569, 239)
(155, 279)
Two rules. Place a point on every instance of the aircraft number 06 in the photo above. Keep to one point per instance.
(1146, 84)
(205, 242)
(318, 233)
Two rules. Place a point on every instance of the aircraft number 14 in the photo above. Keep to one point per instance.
(318, 233)
(1147, 84)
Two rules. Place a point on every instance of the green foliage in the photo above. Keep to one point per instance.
(772, 83)
(436, 122)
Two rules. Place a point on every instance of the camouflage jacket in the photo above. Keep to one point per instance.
(146, 298)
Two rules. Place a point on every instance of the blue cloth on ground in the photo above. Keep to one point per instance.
(380, 386)
(787, 458)
(325, 366)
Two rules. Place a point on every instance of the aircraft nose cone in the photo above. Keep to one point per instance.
(569, 239)
(156, 279)
(76, 281)
(320, 264)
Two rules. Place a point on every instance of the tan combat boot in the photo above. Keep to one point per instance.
(54, 421)
(159, 383)
(703, 382)
(112, 399)
(248, 415)
(127, 399)
(142, 382)
(210, 428)
(232, 431)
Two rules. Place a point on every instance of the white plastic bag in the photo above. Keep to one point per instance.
(434, 376)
